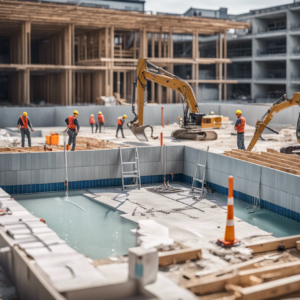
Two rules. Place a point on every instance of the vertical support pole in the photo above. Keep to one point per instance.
(125, 84)
(161, 139)
(162, 117)
(220, 64)
(112, 37)
(106, 80)
(159, 87)
(134, 44)
(225, 65)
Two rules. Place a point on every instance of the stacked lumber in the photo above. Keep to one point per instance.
(252, 279)
(272, 159)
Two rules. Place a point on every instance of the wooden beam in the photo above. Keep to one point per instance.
(225, 65)
(288, 242)
(220, 64)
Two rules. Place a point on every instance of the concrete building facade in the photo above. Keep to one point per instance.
(265, 58)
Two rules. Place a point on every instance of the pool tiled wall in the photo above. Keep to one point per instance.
(45, 172)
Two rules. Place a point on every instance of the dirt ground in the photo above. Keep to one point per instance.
(226, 137)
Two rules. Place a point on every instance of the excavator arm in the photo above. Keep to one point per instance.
(277, 107)
(164, 78)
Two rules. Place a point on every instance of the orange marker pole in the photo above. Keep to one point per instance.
(229, 238)
(161, 139)
(162, 117)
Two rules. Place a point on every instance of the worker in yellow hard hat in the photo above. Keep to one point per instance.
(92, 122)
(72, 129)
(121, 121)
(101, 121)
(23, 124)
(240, 128)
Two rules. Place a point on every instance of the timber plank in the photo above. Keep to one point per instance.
(288, 242)
(170, 257)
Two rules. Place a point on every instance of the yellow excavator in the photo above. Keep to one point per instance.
(192, 122)
(277, 107)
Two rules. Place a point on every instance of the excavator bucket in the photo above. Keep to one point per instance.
(139, 131)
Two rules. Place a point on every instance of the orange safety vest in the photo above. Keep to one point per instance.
(101, 119)
(92, 120)
(25, 122)
(241, 127)
(120, 121)
(71, 124)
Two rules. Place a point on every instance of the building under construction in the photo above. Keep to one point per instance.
(65, 54)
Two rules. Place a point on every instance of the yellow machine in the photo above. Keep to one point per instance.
(278, 106)
(192, 122)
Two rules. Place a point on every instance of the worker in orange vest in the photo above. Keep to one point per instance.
(240, 128)
(23, 124)
(73, 129)
(121, 121)
(101, 120)
(92, 122)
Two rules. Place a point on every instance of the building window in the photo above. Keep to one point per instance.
(128, 7)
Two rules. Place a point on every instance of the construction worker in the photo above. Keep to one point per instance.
(101, 120)
(73, 129)
(92, 122)
(23, 124)
(240, 128)
(121, 121)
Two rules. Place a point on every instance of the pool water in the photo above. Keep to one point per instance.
(263, 219)
(99, 232)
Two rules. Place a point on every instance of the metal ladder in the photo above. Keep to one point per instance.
(135, 173)
(195, 179)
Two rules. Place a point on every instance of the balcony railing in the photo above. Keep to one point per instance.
(275, 74)
(296, 51)
(295, 76)
(279, 50)
(239, 53)
(239, 75)
(272, 28)
(295, 26)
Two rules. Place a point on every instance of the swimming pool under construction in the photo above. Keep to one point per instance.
(100, 241)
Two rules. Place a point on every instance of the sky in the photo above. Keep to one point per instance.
(234, 6)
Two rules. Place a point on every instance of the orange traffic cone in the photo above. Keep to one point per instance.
(229, 238)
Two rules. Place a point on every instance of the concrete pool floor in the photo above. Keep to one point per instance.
(187, 224)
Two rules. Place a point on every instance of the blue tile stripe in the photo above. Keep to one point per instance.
(114, 182)
(85, 184)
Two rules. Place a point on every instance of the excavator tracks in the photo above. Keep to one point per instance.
(196, 135)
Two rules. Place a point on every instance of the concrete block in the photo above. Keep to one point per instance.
(78, 158)
(170, 153)
(70, 159)
(8, 161)
(2, 178)
(103, 172)
(53, 157)
(41, 176)
(25, 161)
(102, 157)
(54, 175)
(72, 173)
(24, 177)
(179, 153)
(96, 158)
(114, 171)
(47, 175)
(60, 160)
(16, 162)
(60, 175)
(35, 177)
(149, 154)
(96, 172)
(112, 157)
(11, 178)
(92, 154)
(35, 161)
(2, 162)
(45, 160)
(86, 158)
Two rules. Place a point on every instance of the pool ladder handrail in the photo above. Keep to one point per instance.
(195, 179)
(135, 173)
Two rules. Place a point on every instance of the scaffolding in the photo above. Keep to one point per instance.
(65, 54)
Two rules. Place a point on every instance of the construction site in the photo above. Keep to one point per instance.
(120, 180)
